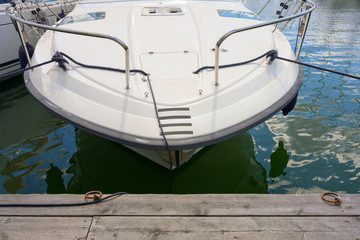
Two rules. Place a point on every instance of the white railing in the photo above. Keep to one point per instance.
(310, 6)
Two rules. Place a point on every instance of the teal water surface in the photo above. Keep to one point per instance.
(313, 149)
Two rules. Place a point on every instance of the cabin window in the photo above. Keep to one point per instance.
(83, 17)
(238, 14)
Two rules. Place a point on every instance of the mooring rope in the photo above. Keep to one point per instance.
(234, 64)
(272, 55)
(100, 67)
(20, 71)
(96, 200)
(162, 133)
(320, 68)
(59, 58)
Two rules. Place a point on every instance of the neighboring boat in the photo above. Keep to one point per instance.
(9, 60)
(9, 38)
(165, 99)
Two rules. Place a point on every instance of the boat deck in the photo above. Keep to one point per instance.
(207, 216)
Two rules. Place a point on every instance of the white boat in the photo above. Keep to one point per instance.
(9, 60)
(160, 102)
(9, 38)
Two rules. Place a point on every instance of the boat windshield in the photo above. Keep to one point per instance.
(238, 14)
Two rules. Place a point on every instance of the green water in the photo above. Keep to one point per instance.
(313, 149)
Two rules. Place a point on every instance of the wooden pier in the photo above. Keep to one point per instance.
(207, 216)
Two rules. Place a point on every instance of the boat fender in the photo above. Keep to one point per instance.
(22, 54)
(290, 106)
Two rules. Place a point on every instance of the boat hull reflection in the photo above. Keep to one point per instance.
(226, 167)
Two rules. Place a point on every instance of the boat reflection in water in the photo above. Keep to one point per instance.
(30, 140)
(23, 164)
(226, 167)
(40, 153)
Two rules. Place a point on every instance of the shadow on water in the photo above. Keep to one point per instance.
(10, 91)
(227, 167)
(279, 160)
(54, 180)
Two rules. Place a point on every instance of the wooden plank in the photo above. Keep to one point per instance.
(225, 228)
(44, 228)
(187, 205)
(232, 236)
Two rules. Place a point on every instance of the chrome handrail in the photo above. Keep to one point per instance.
(288, 18)
(70, 31)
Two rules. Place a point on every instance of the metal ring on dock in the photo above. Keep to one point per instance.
(95, 195)
(337, 200)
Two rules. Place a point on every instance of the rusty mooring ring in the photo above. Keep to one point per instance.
(95, 195)
(337, 199)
